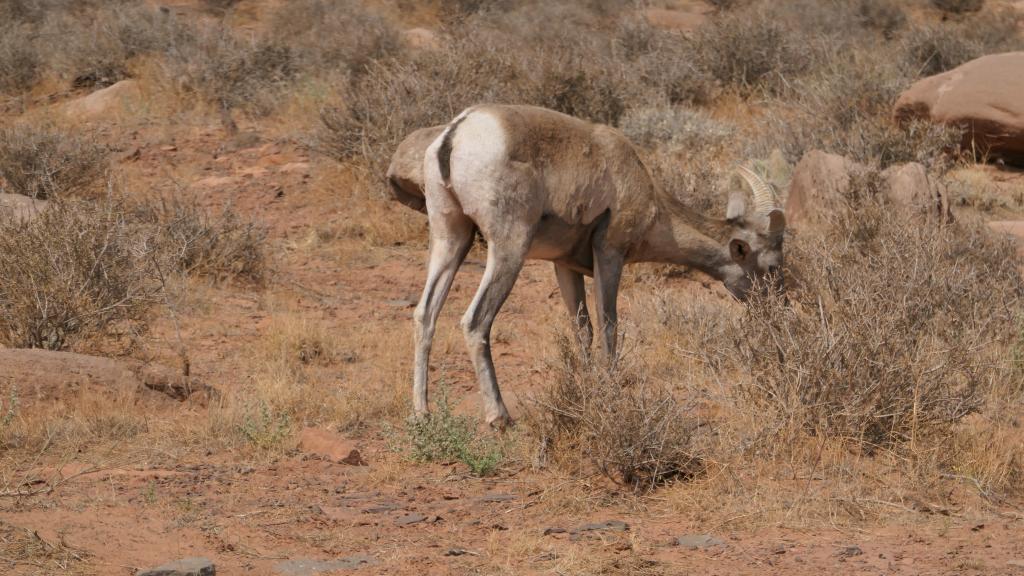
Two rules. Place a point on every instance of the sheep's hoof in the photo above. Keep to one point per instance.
(501, 422)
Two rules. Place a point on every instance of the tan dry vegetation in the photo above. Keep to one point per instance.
(885, 394)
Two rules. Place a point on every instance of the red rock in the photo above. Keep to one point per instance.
(670, 19)
(910, 186)
(20, 208)
(330, 446)
(984, 96)
(1013, 228)
(421, 39)
(821, 183)
(115, 98)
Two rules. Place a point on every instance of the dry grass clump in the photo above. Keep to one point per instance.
(751, 49)
(886, 16)
(223, 247)
(631, 428)
(898, 331)
(330, 36)
(846, 108)
(19, 63)
(396, 97)
(936, 48)
(231, 72)
(959, 6)
(43, 160)
(675, 128)
(98, 41)
(70, 273)
(26, 547)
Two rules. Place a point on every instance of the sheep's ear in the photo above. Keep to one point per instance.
(739, 250)
(776, 222)
(737, 207)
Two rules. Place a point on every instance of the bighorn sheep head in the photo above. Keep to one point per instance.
(755, 243)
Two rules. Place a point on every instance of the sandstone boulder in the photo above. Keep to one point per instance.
(821, 184)
(183, 567)
(676, 19)
(1013, 228)
(421, 39)
(984, 96)
(45, 375)
(909, 185)
(19, 208)
(330, 446)
(112, 99)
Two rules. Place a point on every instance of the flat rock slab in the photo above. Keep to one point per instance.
(408, 519)
(18, 208)
(983, 96)
(183, 567)
(308, 567)
(381, 508)
(330, 446)
(44, 375)
(607, 526)
(698, 541)
(498, 498)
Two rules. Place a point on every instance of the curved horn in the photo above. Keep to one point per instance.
(765, 199)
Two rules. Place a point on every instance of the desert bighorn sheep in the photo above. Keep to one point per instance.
(539, 184)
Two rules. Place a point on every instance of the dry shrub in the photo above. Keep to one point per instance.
(222, 247)
(932, 49)
(231, 71)
(19, 63)
(97, 43)
(43, 160)
(959, 6)
(695, 181)
(935, 49)
(72, 272)
(751, 49)
(334, 35)
(676, 128)
(886, 16)
(845, 107)
(898, 330)
(396, 97)
(309, 374)
(629, 427)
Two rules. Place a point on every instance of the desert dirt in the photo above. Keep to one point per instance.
(118, 508)
(351, 266)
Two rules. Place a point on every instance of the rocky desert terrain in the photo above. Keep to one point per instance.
(206, 293)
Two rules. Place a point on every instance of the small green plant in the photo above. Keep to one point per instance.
(265, 429)
(9, 408)
(443, 436)
(149, 494)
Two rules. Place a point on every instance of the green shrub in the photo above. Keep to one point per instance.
(263, 428)
(443, 436)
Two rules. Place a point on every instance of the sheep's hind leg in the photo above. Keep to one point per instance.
(450, 240)
(504, 262)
